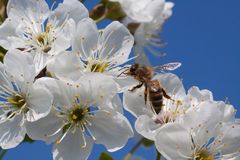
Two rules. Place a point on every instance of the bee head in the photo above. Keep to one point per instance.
(134, 67)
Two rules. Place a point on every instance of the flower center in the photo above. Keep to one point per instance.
(166, 117)
(44, 40)
(77, 118)
(204, 155)
(41, 38)
(17, 101)
(99, 67)
(77, 114)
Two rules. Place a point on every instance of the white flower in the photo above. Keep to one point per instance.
(148, 122)
(147, 35)
(145, 19)
(141, 10)
(201, 134)
(94, 51)
(79, 119)
(34, 28)
(21, 100)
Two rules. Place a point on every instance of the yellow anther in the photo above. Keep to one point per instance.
(74, 117)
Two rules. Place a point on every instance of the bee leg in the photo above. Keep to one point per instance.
(166, 95)
(136, 87)
(145, 95)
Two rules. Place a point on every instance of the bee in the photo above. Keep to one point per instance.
(154, 92)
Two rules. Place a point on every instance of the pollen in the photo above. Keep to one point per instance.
(99, 67)
(179, 103)
(77, 115)
(41, 38)
(84, 146)
(17, 101)
(204, 155)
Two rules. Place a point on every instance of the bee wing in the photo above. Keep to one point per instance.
(168, 67)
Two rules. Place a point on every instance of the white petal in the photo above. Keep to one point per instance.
(69, 9)
(201, 120)
(167, 12)
(137, 10)
(32, 11)
(20, 65)
(39, 101)
(62, 39)
(71, 147)
(111, 129)
(117, 104)
(40, 61)
(116, 42)
(200, 95)
(85, 39)
(139, 49)
(63, 93)
(45, 128)
(11, 132)
(227, 110)
(146, 126)
(174, 142)
(172, 84)
(154, 9)
(135, 104)
(125, 82)
(8, 36)
(4, 78)
(60, 68)
(100, 87)
(230, 140)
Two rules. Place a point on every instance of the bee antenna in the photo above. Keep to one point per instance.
(123, 72)
(126, 67)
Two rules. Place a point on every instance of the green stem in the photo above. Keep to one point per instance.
(1, 56)
(100, 19)
(158, 155)
(128, 156)
(3, 152)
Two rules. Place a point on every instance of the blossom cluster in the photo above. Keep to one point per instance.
(62, 77)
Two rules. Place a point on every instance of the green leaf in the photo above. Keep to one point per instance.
(66, 127)
(3, 13)
(2, 153)
(105, 156)
(27, 139)
(104, 1)
(115, 11)
(98, 12)
(2, 53)
(147, 142)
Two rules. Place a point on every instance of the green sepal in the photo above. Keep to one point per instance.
(115, 11)
(147, 142)
(27, 139)
(2, 53)
(66, 127)
(105, 156)
(104, 1)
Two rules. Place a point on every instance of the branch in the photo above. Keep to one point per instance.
(158, 155)
(3, 152)
(127, 157)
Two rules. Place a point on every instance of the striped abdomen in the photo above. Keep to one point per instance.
(155, 95)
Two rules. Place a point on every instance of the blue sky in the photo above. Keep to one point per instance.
(204, 35)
